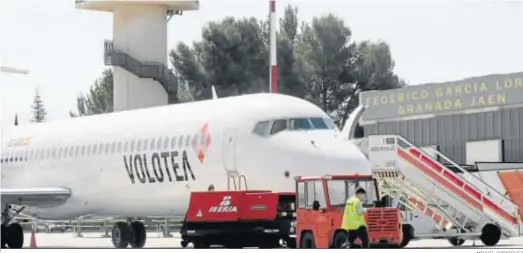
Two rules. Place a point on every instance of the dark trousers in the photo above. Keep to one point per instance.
(361, 233)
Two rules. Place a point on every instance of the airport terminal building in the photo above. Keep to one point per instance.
(478, 119)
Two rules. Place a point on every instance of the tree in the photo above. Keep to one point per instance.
(38, 108)
(327, 63)
(99, 99)
(288, 77)
(374, 71)
(232, 56)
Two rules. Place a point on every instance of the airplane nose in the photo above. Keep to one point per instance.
(342, 157)
(323, 153)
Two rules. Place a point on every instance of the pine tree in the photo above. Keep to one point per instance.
(39, 112)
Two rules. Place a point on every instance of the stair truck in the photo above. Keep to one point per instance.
(320, 206)
(239, 218)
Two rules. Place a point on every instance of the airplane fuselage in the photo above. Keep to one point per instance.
(146, 162)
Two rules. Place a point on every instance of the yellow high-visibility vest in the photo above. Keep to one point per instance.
(351, 219)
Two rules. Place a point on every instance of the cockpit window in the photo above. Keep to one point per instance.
(330, 124)
(319, 123)
(278, 126)
(299, 124)
(261, 128)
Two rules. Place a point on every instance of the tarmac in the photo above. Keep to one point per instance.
(155, 240)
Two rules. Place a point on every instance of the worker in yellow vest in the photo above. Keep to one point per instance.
(354, 220)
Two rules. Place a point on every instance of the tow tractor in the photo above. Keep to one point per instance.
(240, 218)
(321, 203)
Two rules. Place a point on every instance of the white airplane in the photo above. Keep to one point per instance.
(145, 162)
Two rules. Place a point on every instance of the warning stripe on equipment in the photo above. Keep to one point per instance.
(386, 174)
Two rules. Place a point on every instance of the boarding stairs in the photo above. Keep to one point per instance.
(461, 200)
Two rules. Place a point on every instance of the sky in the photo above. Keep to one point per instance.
(431, 41)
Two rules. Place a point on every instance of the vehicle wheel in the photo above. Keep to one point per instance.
(269, 243)
(3, 236)
(139, 234)
(408, 234)
(290, 243)
(15, 236)
(339, 239)
(184, 244)
(456, 241)
(201, 245)
(121, 235)
(307, 241)
(490, 235)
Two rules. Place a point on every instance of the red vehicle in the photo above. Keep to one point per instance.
(321, 203)
(236, 219)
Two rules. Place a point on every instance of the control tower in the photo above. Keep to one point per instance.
(138, 52)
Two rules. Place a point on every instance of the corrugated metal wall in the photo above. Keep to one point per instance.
(452, 132)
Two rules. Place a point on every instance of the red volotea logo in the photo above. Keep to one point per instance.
(202, 143)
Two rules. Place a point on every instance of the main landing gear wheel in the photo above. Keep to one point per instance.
(138, 233)
(14, 236)
(490, 235)
(121, 235)
(3, 236)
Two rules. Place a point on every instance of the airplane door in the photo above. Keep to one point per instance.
(229, 150)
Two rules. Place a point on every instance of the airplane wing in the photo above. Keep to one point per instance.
(35, 196)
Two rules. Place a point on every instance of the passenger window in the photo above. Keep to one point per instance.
(260, 128)
(138, 146)
(49, 153)
(173, 142)
(119, 146)
(126, 146)
(278, 126)
(132, 147)
(82, 152)
(88, 150)
(60, 150)
(187, 140)
(77, 151)
(153, 144)
(71, 151)
(31, 154)
(42, 154)
(113, 147)
(301, 194)
(180, 142)
(195, 140)
(145, 144)
(159, 143)
(297, 124)
(65, 152)
(166, 143)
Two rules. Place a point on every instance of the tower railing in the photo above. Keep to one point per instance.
(146, 69)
